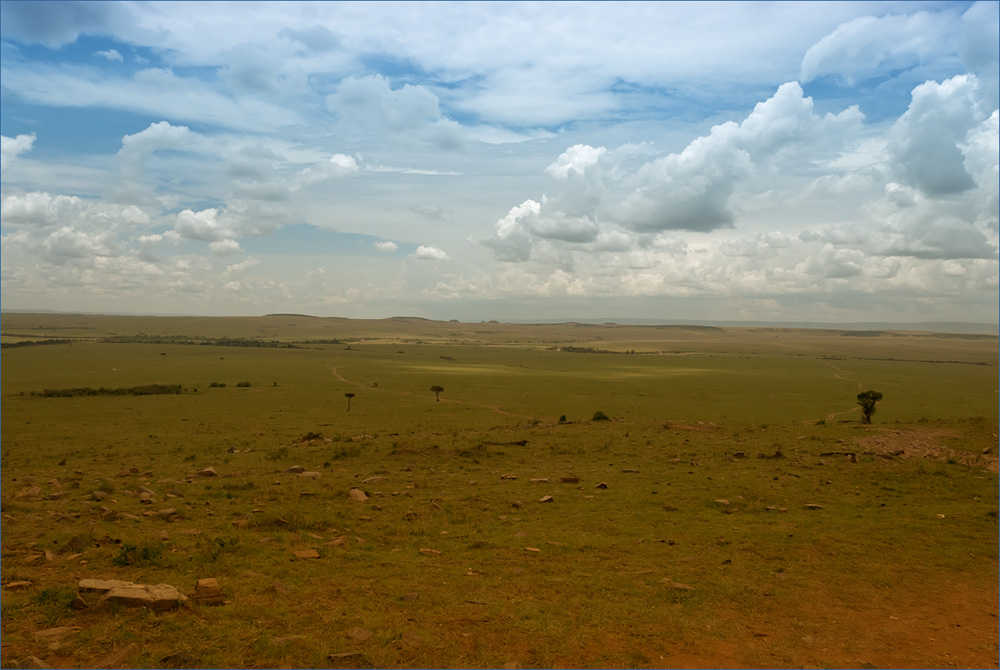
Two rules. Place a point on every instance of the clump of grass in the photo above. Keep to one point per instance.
(132, 554)
(345, 452)
(213, 548)
(600, 416)
(278, 454)
(54, 603)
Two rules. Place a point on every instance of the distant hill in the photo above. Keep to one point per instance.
(956, 327)
(960, 327)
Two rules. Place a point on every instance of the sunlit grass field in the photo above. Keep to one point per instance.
(701, 551)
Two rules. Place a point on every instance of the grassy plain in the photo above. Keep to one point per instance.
(897, 568)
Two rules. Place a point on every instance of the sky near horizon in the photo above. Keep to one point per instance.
(786, 161)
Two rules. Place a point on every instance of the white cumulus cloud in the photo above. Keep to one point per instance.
(425, 253)
(12, 147)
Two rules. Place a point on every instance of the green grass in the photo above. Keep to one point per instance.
(440, 476)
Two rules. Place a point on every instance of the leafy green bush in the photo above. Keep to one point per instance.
(600, 416)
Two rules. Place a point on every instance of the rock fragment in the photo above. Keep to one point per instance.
(207, 592)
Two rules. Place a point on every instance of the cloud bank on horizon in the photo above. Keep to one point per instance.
(766, 161)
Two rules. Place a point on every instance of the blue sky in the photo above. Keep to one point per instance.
(820, 161)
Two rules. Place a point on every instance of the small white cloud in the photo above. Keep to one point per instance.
(110, 54)
(387, 246)
(338, 167)
(430, 254)
(225, 247)
(242, 266)
(577, 158)
(11, 147)
(203, 225)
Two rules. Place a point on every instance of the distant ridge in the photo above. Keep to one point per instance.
(954, 327)
(958, 327)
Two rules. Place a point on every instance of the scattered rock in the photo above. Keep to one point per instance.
(540, 480)
(511, 477)
(722, 501)
(208, 472)
(39, 664)
(430, 552)
(517, 504)
(534, 549)
(940, 516)
(295, 469)
(157, 597)
(14, 586)
(569, 480)
(630, 471)
(511, 665)
(53, 637)
(118, 658)
(30, 492)
(360, 634)
(351, 657)
(279, 587)
(813, 506)
(176, 658)
(357, 495)
(409, 597)
(307, 553)
(98, 496)
(546, 499)
(79, 603)
(74, 545)
(671, 584)
(739, 454)
(602, 485)
(310, 475)
(207, 592)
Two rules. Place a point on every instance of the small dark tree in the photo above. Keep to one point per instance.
(348, 396)
(437, 391)
(867, 401)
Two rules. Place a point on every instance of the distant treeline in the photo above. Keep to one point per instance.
(31, 343)
(207, 342)
(148, 389)
(590, 350)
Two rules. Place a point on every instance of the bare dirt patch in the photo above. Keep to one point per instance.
(926, 443)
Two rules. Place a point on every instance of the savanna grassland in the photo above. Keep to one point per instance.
(732, 511)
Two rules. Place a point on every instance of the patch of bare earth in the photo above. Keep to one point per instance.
(954, 626)
(925, 443)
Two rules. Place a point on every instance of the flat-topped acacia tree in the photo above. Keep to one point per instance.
(437, 391)
(348, 395)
